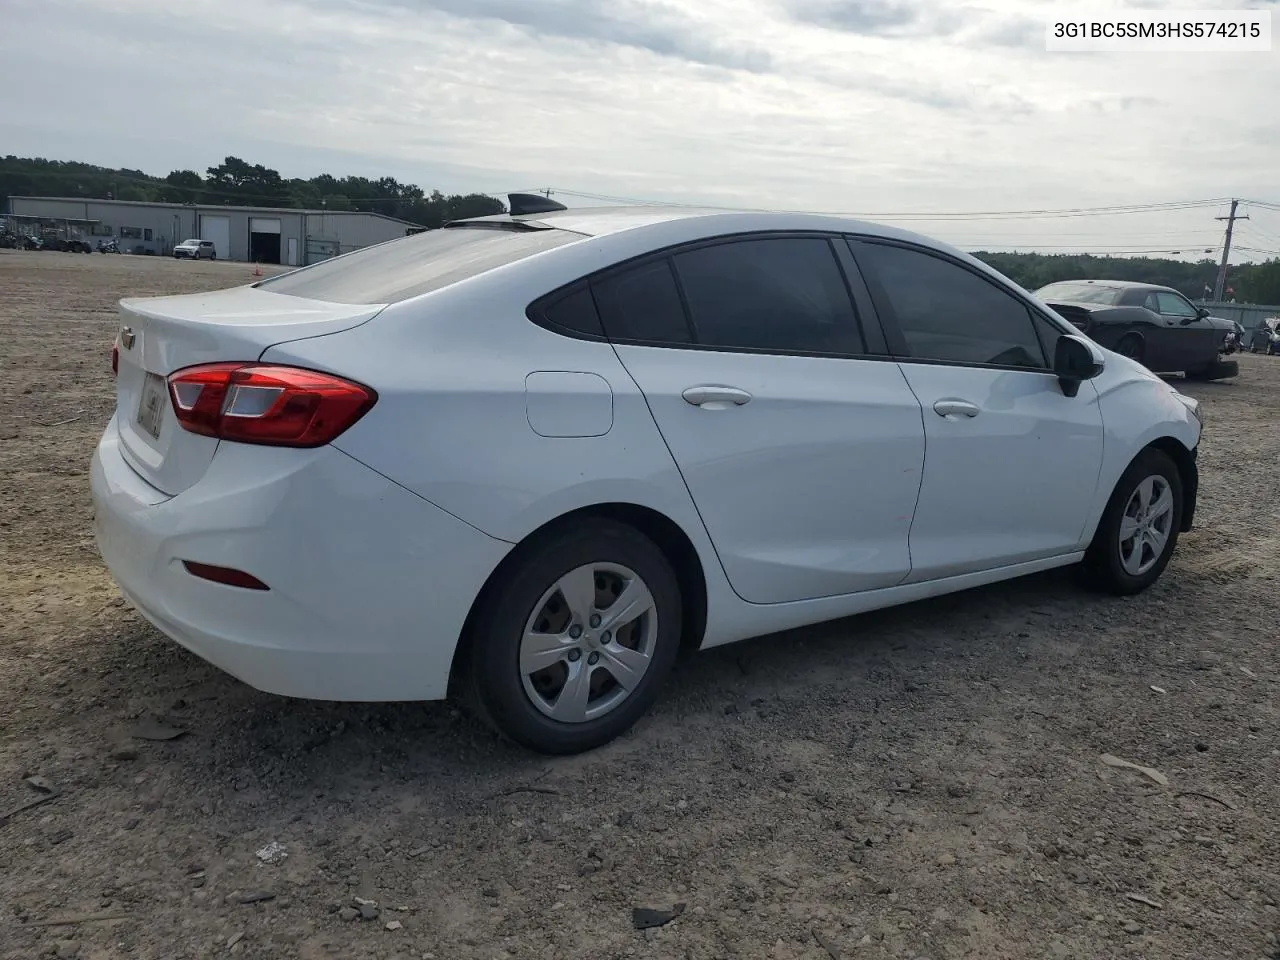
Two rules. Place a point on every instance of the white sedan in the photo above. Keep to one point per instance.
(526, 459)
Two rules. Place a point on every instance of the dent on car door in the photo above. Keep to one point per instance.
(802, 454)
(1011, 462)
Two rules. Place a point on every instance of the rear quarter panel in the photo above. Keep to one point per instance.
(452, 421)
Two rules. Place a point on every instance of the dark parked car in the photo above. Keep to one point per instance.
(1157, 326)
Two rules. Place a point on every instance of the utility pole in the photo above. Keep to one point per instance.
(1231, 219)
(547, 193)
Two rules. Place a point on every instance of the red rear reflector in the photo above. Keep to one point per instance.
(115, 359)
(225, 575)
(259, 403)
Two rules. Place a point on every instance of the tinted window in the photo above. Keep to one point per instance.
(574, 312)
(771, 294)
(642, 303)
(1080, 293)
(1173, 305)
(947, 313)
(404, 268)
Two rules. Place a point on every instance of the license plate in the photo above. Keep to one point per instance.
(151, 406)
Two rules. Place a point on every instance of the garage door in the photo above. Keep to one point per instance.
(217, 229)
(264, 240)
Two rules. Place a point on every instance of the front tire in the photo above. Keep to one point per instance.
(1139, 528)
(569, 647)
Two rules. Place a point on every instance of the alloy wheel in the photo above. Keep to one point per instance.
(1146, 525)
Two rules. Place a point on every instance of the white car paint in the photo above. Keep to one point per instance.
(837, 490)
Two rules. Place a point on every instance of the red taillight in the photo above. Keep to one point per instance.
(224, 575)
(115, 359)
(259, 403)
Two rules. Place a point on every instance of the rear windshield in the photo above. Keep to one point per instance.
(1080, 293)
(400, 269)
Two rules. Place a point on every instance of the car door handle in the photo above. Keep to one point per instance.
(715, 397)
(952, 409)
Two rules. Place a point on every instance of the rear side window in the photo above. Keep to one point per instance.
(410, 266)
(783, 294)
(948, 313)
(643, 304)
(575, 312)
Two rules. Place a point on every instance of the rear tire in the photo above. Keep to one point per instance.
(1132, 346)
(541, 634)
(1135, 538)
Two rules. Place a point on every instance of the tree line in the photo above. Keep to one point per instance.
(238, 182)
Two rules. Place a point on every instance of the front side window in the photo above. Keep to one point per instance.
(948, 313)
(1172, 305)
(780, 294)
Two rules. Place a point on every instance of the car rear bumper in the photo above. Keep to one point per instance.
(369, 585)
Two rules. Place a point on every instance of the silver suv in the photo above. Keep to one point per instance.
(195, 250)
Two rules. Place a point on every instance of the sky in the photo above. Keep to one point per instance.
(886, 107)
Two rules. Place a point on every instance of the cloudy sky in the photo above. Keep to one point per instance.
(867, 106)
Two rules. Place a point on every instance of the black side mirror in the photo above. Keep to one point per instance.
(1074, 361)
(1201, 313)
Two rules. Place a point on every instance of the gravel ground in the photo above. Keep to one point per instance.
(919, 783)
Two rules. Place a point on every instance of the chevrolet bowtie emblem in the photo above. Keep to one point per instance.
(127, 337)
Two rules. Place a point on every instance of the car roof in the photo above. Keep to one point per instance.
(605, 221)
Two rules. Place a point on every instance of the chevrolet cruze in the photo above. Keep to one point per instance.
(527, 459)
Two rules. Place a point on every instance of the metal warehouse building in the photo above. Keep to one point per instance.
(284, 235)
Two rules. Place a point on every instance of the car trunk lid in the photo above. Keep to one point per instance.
(159, 336)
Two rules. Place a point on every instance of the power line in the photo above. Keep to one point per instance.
(1113, 210)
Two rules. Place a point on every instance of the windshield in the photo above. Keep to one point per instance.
(189, 243)
(399, 269)
(1080, 293)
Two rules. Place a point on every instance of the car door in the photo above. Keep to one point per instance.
(1161, 336)
(800, 447)
(1191, 340)
(1011, 462)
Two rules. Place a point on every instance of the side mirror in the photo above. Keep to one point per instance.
(1201, 313)
(1074, 360)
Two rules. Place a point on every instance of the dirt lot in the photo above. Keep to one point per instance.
(920, 783)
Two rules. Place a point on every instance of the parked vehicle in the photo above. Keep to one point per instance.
(1157, 326)
(528, 458)
(195, 250)
(108, 246)
(30, 242)
(59, 244)
(1266, 337)
(1234, 341)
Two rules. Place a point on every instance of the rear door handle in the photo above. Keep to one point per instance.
(954, 409)
(715, 397)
